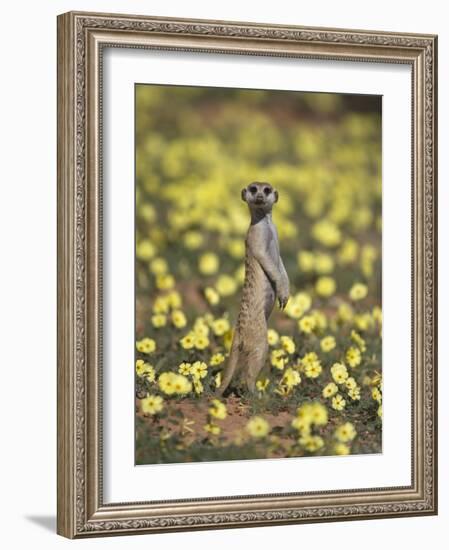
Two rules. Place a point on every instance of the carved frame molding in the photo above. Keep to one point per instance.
(81, 39)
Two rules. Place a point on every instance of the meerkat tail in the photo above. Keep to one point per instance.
(230, 367)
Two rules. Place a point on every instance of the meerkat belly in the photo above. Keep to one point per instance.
(258, 298)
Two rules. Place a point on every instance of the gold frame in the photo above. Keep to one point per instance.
(81, 38)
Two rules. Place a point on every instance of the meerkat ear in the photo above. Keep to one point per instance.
(244, 195)
(276, 196)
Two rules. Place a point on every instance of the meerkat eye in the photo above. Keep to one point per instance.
(253, 189)
(267, 191)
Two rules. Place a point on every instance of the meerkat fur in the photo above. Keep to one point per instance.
(265, 280)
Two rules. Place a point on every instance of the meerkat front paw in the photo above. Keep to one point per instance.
(283, 296)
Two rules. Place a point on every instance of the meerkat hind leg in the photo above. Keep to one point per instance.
(237, 386)
(255, 363)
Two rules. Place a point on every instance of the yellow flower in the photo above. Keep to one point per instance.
(310, 365)
(282, 389)
(226, 285)
(377, 314)
(174, 299)
(170, 383)
(193, 240)
(303, 300)
(287, 344)
(353, 357)
(313, 370)
(145, 250)
(307, 324)
(341, 449)
(159, 320)
(377, 379)
(339, 372)
(320, 319)
(309, 359)
(330, 390)
(376, 395)
(236, 248)
(348, 251)
(146, 345)
(324, 263)
(217, 380)
(218, 410)
(327, 233)
(298, 305)
(178, 318)
(201, 342)
(165, 281)
(291, 378)
(345, 313)
(139, 366)
(354, 393)
(293, 309)
(181, 384)
(161, 305)
(302, 424)
(379, 411)
(308, 414)
(363, 321)
(305, 411)
(361, 219)
(198, 386)
(355, 337)
(325, 286)
(358, 291)
(327, 344)
(212, 428)
(338, 402)
(311, 443)
(212, 296)
(350, 383)
(220, 326)
(198, 370)
(216, 359)
(200, 327)
(345, 432)
(208, 263)
(272, 337)
(166, 383)
(188, 342)
(159, 266)
(147, 212)
(184, 368)
(306, 261)
(278, 358)
(227, 339)
(258, 427)
(145, 370)
(318, 414)
(152, 404)
(262, 385)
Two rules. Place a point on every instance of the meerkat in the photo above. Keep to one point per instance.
(265, 280)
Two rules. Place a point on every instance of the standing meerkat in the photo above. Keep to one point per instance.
(265, 279)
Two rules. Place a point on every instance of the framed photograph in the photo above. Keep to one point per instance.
(246, 274)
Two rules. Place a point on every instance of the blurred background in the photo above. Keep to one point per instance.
(196, 148)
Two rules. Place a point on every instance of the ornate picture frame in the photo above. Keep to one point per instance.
(82, 38)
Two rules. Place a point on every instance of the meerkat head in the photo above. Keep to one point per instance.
(260, 196)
